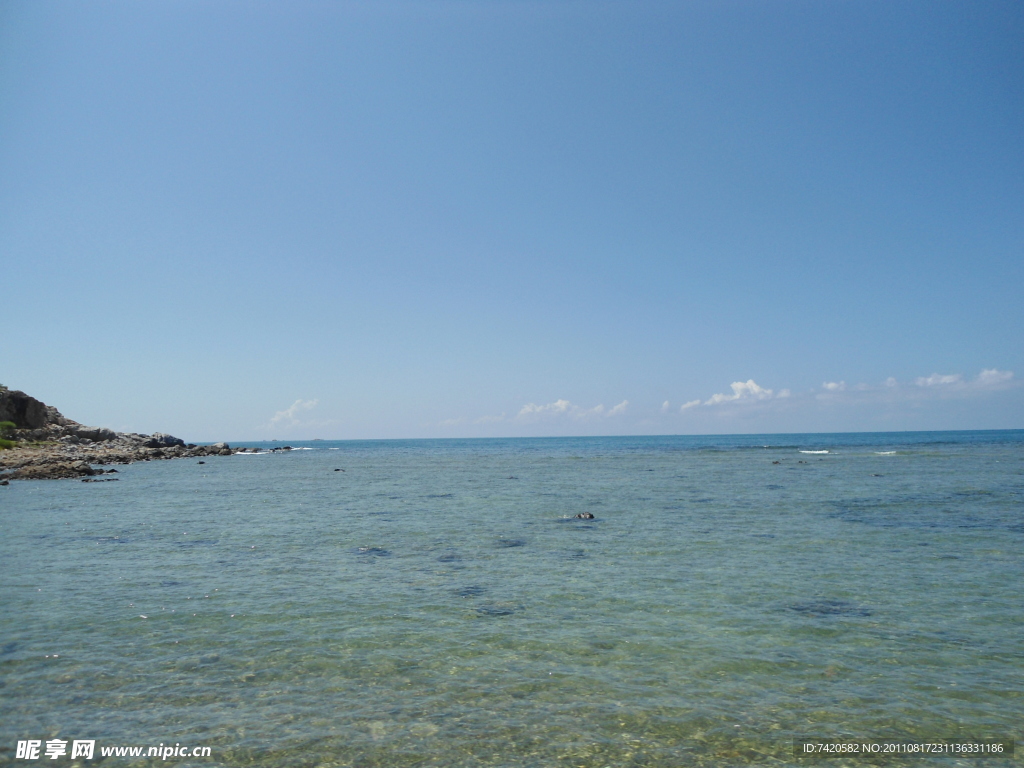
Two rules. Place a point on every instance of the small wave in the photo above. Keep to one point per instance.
(253, 453)
(813, 451)
(885, 453)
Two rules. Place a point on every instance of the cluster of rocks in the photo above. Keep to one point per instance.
(49, 445)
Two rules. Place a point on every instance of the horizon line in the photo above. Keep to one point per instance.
(604, 437)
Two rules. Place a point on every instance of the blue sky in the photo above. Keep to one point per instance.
(231, 220)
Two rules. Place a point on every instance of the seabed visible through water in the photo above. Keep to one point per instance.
(437, 602)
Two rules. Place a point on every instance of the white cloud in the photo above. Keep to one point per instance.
(937, 386)
(886, 394)
(741, 390)
(288, 415)
(939, 380)
(992, 377)
(489, 419)
(532, 409)
(750, 398)
(560, 408)
(989, 378)
(620, 408)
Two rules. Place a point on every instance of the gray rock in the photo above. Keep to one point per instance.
(96, 434)
(167, 440)
(161, 440)
(25, 411)
(53, 416)
(53, 470)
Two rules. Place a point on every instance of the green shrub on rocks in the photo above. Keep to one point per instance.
(6, 428)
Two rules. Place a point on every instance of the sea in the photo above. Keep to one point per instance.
(440, 603)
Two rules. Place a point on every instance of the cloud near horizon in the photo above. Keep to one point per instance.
(746, 391)
(288, 415)
(935, 386)
(751, 397)
(989, 378)
(532, 412)
(938, 380)
(567, 409)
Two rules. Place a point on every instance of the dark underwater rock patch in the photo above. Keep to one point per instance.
(373, 552)
(829, 607)
(197, 543)
(496, 609)
(473, 590)
(927, 510)
(510, 543)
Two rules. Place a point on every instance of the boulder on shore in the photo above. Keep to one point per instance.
(161, 440)
(26, 412)
(96, 434)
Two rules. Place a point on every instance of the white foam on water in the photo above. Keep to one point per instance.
(885, 453)
(813, 451)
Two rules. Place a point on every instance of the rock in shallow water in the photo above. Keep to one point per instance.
(53, 470)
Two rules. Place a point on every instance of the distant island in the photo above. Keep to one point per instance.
(37, 443)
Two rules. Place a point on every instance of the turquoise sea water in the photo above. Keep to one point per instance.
(436, 603)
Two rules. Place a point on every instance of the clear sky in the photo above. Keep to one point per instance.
(248, 220)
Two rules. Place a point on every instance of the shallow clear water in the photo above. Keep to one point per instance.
(436, 604)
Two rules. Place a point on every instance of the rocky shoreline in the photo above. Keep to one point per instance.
(47, 445)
